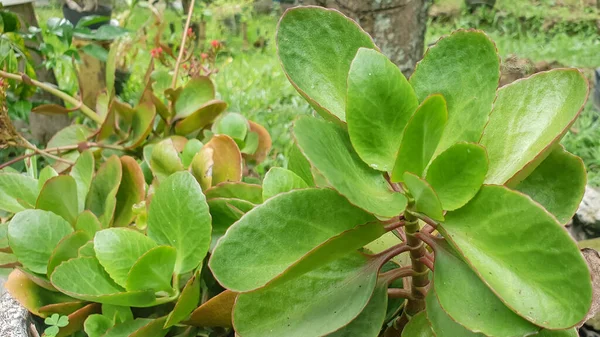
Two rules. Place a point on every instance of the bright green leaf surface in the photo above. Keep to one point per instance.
(495, 230)
(87, 250)
(478, 309)
(558, 333)
(59, 196)
(418, 326)
(96, 325)
(97, 285)
(83, 172)
(426, 200)
(314, 304)
(165, 160)
(279, 180)
(141, 124)
(442, 324)
(464, 68)
(33, 235)
(307, 40)
(327, 146)
(118, 249)
(101, 199)
(380, 102)
(189, 151)
(179, 217)
(421, 137)
(291, 226)
(67, 248)
(202, 117)
(88, 223)
(298, 164)
(558, 184)
(127, 328)
(238, 190)
(196, 92)
(187, 302)
(153, 270)
(224, 212)
(232, 124)
(45, 174)
(457, 174)
(71, 135)
(131, 191)
(15, 187)
(528, 117)
(117, 313)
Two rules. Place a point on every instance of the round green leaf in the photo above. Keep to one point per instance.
(189, 151)
(45, 174)
(194, 95)
(426, 200)
(71, 135)
(67, 248)
(118, 249)
(165, 160)
(313, 304)
(131, 191)
(178, 216)
(380, 102)
(421, 137)
(327, 146)
(33, 235)
(187, 302)
(17, 192)
(279, 180)
(442, 324)
(87, 222)
(457, 174)
(83, 172)
(59, 196)
(96, 325)
(558, 333)
(291, 226)
(496, 230)
(307, 40)
(101, 199)
(464, 68)
(232, 124)
(238, 190)
(558, 184)
(202, 117)
(529, 117)
(418, 326)
(153, 270)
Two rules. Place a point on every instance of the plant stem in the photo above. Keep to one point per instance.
(182, 45)
(65, 97)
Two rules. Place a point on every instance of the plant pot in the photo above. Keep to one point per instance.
(74, 16)
(472, 4)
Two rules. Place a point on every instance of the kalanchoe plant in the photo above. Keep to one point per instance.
(432, 206)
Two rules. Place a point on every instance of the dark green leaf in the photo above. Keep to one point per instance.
(224, 212)
(279, 180)
(59, 196)
(298, 164)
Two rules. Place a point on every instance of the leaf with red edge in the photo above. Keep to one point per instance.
(202, 117)
(77, 318)
(50, 109)
(59, 196)
(227, 159)
(187, 302)
(131, 191)
(264, 143)
(141, 123)
(216, 312)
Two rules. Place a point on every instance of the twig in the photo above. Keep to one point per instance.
(33, 330)
(427, 229)
(182, 46)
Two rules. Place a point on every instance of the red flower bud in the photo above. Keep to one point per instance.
(215, 44)
(156, 52)
(204, 56)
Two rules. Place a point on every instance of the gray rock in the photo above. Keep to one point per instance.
(586, 222)
(14, 319)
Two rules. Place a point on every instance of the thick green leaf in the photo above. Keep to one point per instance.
(370, 320)
(457, 174)
(165, 160)
(154, 328)
(298, 164)
(67, 248)
(232, 124)
(202, 167)
(313, 304)
(59, 196)
(87, 250)
(189, 151)
(118, 249)
(141, 124)
(194, 95)
(96, 325)
(98, 287)
(426, 200)
(117, 313)
(131, 191)
(250, 143)
(464, 68)
(495, 230)
(238, 190)
(442, 324)
(200, 118)
(101, 199)
(380, 102)
(17, 192)
(529, 117)
(558, 333)
(327, 146)
(316, 47)
(478, 309)
(71, 135)
(45, 174)
(127, 328)
(33, 234)
(292, 225)
(215, 312)
(558, 184)
(418, 326)
(179, 217)
(279, 180)
(421, 137)
(83, 172)
(88, 223)
(153, 270)
(224, 212)
(187, 302)
(226, 157)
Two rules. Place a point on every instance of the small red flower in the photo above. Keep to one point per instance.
(204, 56)
(156, 52)
(190, 32)
(215, 44)
(185, 67)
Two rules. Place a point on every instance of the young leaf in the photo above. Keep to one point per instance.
(202, 167)
(279, 180)
(98, 286)
(558, 184)
(479, 309)
(442, 324)
(87, 222)
(67, 248)
(153, 270)
(292, 225)
(426, 200)
(45, 174)
(529, 117)
(194, 95)
(17, 192)
(379, 104)
(238, 190)
(215, 312)
(232, 124)
(264, 143)
(189, 151)
(141, 124)
(165, 160)
(306, 40)
(458, 66)
(96, 325)
(101, 199)
(421, 137)
(224, 212)
(457, 174)
(227, 159)
(118, 249)
(131, 191)
(313, 304)
(33, 234)
(487, 231)
(187, 302)
(59, 196)
(327, 146)
(418, 326)
(179, 217)
(202, 117)
(298, 164)
(83, 172)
